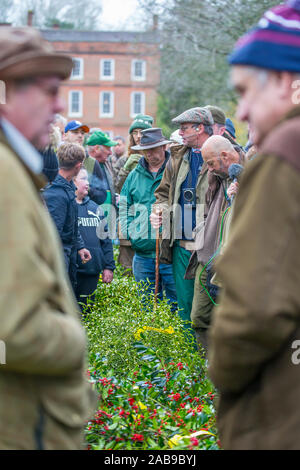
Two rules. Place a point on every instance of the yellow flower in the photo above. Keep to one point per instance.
(174, 441)
(141, 406)
(168, 330)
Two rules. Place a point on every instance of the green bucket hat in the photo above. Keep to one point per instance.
(141, 121)
(100, 138)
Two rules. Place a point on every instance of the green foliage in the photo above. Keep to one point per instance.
(121, 311)
(159, 405)
(49, 23)
(196, 39)
(151, 381)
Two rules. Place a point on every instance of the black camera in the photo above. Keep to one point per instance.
(189, 196)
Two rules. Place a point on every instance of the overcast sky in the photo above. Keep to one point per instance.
(119, 14)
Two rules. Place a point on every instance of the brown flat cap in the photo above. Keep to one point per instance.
(217, 114)
(25, 53)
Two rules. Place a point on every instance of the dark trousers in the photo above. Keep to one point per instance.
(86, 286)
(144, 270)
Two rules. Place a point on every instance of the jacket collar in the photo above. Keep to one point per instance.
(28, 154)
(143, 163)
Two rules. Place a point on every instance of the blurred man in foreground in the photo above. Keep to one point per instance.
(44, 398)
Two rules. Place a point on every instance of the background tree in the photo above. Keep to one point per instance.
(71, 14)
(6, 11)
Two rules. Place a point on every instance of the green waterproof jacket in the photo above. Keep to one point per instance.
(136, 201)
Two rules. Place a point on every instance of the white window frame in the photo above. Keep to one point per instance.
(80, 76)
(143, 103)
(72, 113)
(106, 77)
(112, 100)
(135, 77)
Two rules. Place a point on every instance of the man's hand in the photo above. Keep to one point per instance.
(132, 162)
(233, 189)
(85, 255)
(107, 276)
(156, 218)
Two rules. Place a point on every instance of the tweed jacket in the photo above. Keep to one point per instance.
(255, 333)
(45, 399)
(167, 198)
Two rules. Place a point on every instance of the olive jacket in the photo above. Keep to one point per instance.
(255, 333)
(167, 198)
(45, 398)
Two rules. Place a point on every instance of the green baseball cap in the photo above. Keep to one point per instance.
(100, 138)
(141, 121)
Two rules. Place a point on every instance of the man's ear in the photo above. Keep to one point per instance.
(284, 84)
(78, 166)
(224, 155)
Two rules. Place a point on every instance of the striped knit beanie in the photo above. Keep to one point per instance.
(274, 43)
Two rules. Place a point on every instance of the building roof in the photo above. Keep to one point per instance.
(67, 35)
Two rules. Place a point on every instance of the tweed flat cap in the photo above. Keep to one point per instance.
(196, 115)
(217, 114)
(24, 53)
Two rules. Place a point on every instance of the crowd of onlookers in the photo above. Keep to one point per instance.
(166, 204)
(209, 224)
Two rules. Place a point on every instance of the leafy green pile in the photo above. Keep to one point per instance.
(152, 383)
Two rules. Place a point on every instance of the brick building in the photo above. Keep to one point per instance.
(115, 76)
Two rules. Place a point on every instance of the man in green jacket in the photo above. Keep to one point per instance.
(254, 340)
(136, 200)
(45, 399)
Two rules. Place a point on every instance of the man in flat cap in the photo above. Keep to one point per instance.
(254, 338)
(219, 119)
(181, 194)
(44, 397)
(137, 198)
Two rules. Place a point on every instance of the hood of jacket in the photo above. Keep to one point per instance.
(61, 182)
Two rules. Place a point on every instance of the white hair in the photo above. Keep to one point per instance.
(60, 118)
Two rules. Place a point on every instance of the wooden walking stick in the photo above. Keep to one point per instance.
(158, 212)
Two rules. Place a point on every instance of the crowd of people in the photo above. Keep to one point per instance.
(203, 221)
(185, 178)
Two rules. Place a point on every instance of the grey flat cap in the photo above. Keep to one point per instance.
(196, 115)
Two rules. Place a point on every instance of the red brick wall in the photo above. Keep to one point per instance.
(121, 86)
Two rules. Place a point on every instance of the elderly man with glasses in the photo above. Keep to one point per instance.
(180, 198)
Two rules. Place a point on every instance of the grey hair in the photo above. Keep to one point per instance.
(261, 74)
(208, 129)
(119, 137)
(60, 118)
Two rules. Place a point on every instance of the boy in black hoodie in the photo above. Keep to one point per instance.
(94, 232)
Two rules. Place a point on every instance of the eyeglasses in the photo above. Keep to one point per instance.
(185, 128)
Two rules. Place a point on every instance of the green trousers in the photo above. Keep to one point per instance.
(184, 287)
(201, 309)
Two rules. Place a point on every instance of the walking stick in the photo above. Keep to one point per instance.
(157, 264)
